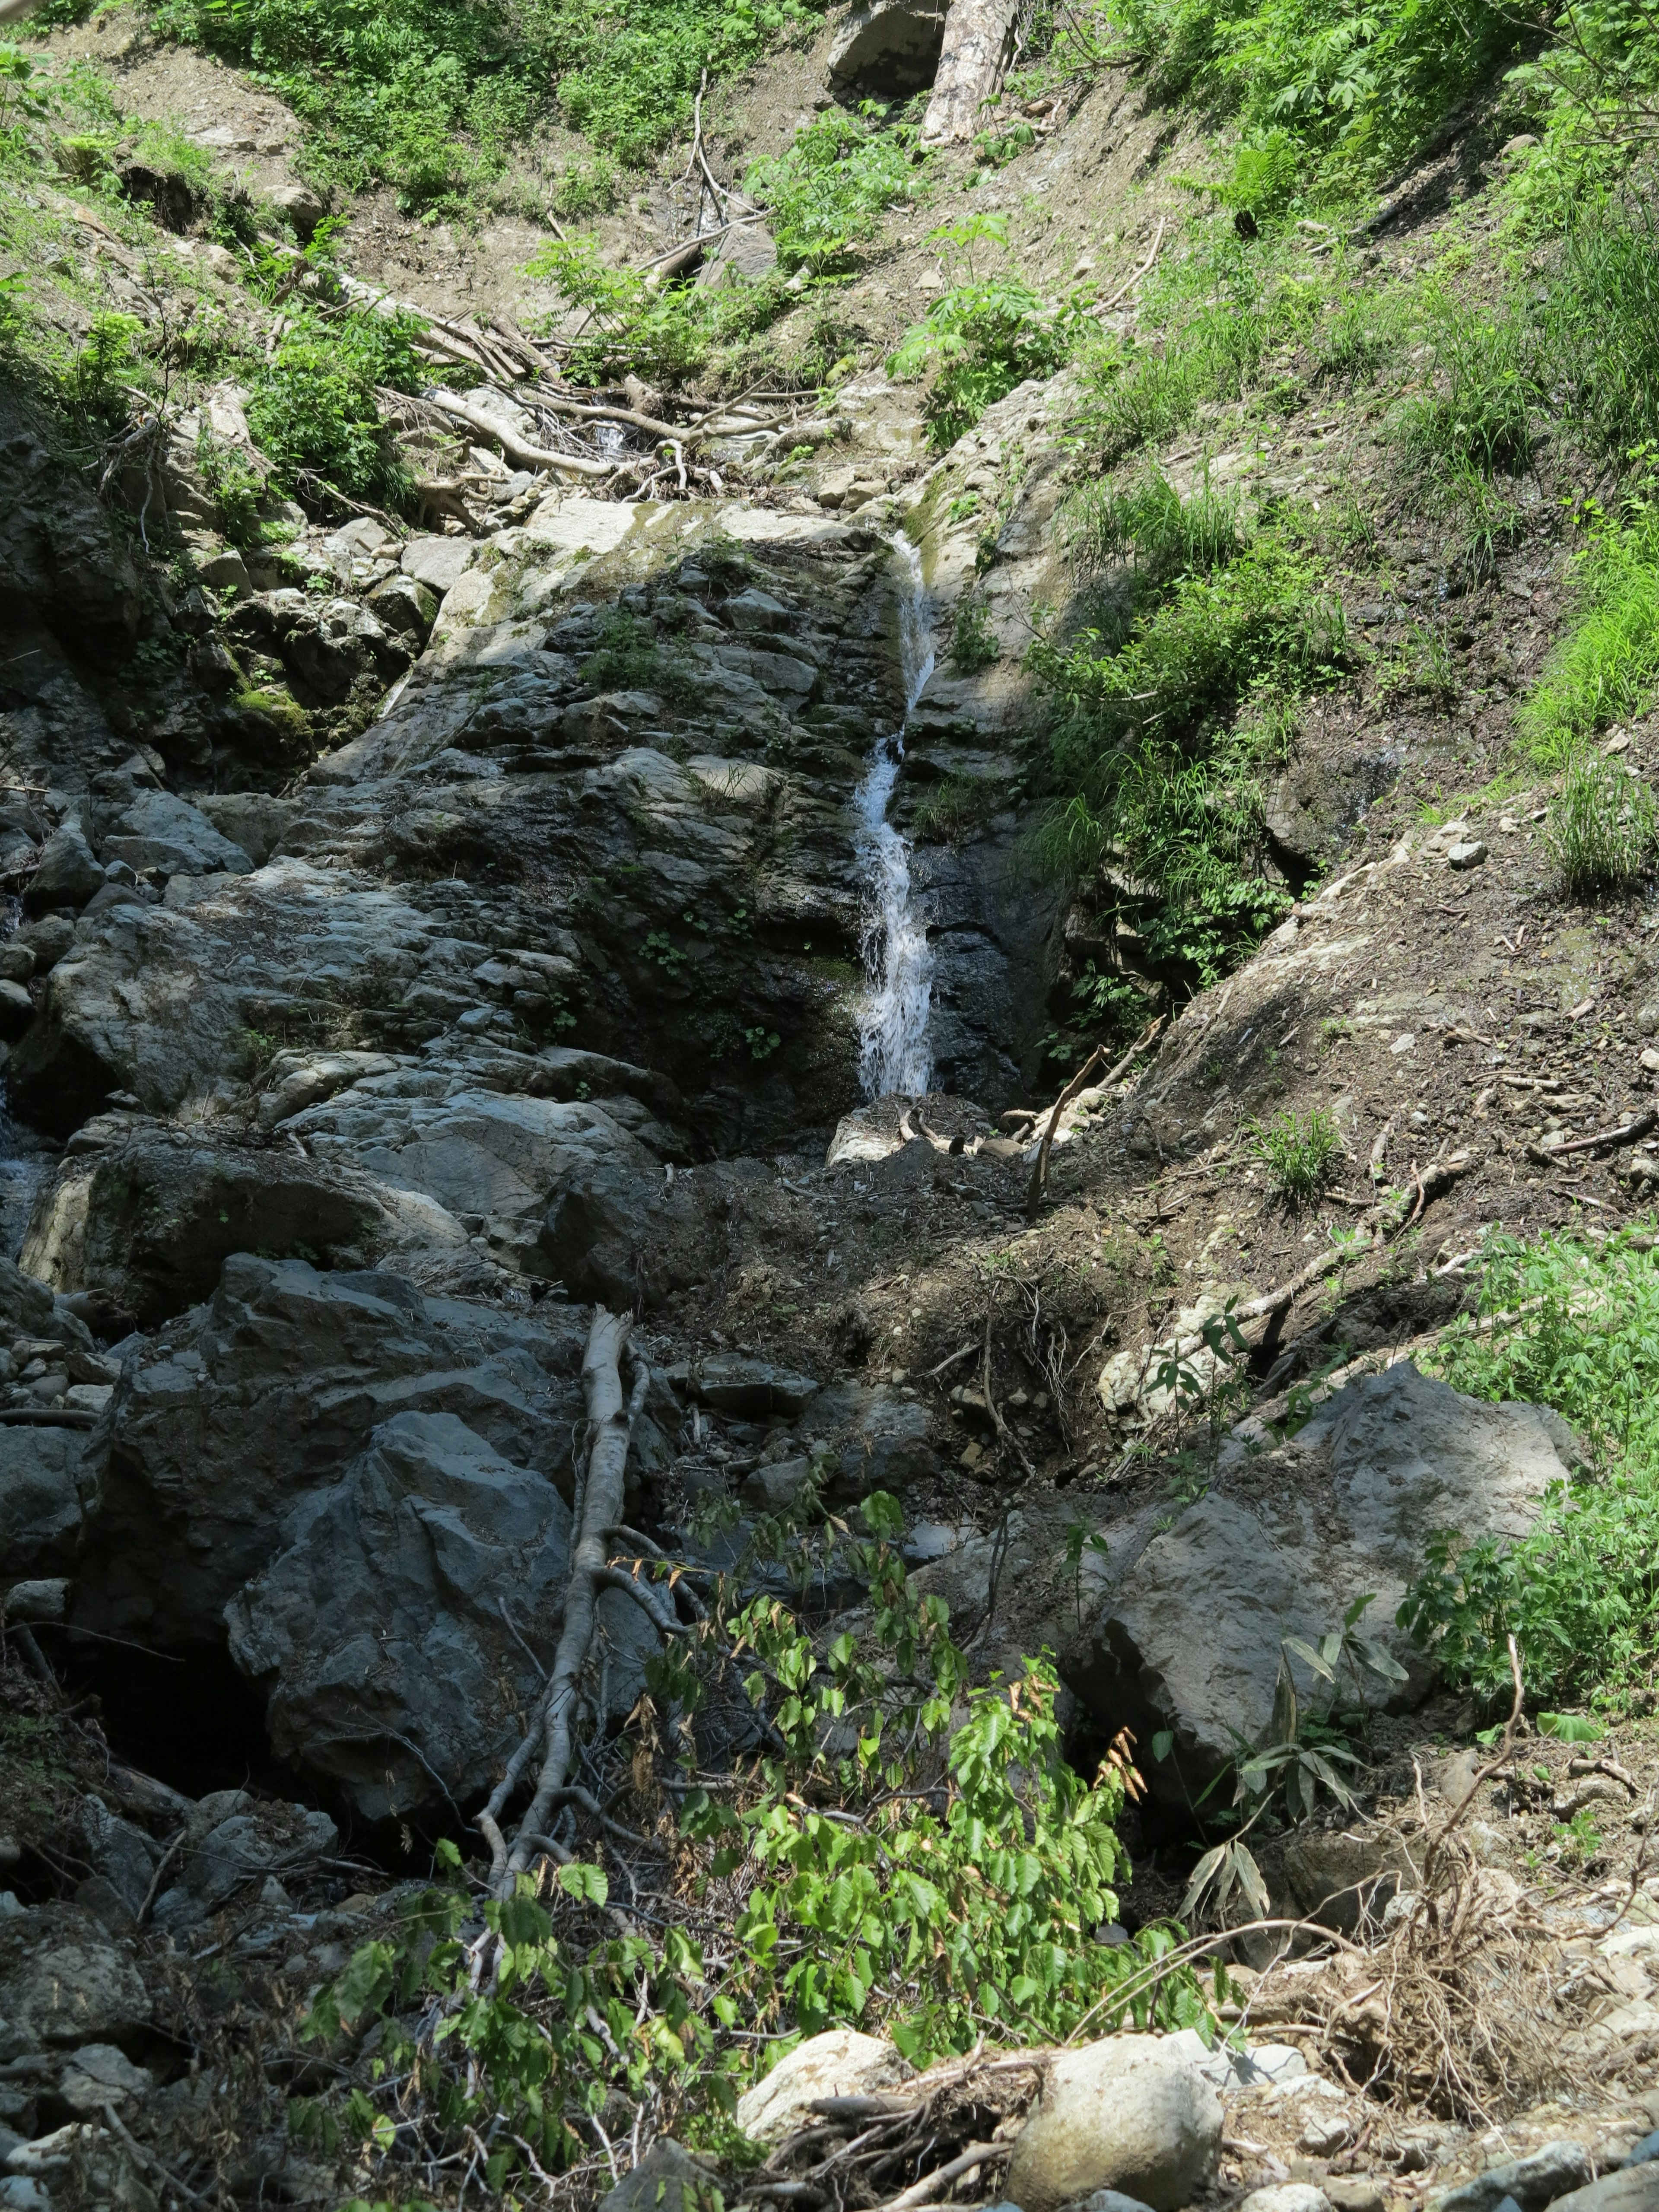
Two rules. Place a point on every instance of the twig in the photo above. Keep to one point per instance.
(149, 2158)
(1439, 1840)
(1040, 1167)
(1144, 269)
(1632, 1133)
(161, 1866)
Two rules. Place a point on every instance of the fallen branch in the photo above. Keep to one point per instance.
(1443, 1836)
(1607, 1140)
(515, 447)
(161, 1865)
(1040, 1167)
(599, 1508)
(148, 2158)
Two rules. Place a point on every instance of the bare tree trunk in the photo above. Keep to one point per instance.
(979, 37)
(600, 1486)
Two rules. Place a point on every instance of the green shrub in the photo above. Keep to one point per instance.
(667, 335)
(1480, 414)
(973, 641)
(1598, 322)
(955, 809)
(1220, 312)
(1299, 1151)
(1355, 92)
(1601, 827)
(982, 337)
(312, 407)
(942, 1886)
(1576, 1328)
(585, 188)
(428, 94)
(1150, 522)
(237, 488)
(1161, 732)
(828, 193)
(627, 80)
(102, 374)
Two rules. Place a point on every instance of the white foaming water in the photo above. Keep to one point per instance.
(894, 1055)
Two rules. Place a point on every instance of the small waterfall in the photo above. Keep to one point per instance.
(893, 1048)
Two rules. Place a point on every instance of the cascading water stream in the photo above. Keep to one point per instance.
(894, 1053)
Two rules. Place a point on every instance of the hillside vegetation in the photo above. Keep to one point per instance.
(1418, 241)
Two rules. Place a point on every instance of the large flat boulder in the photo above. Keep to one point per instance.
(144, 1223)
(385, 1633)
(1127, 2113)
(232, 1423)
(1190, 1640)
(160, 1001)
(163, 833)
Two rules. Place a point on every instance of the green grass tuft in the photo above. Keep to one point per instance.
(1601, 829)
(1299, 1151)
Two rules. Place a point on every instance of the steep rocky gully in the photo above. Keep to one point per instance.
(531, 913)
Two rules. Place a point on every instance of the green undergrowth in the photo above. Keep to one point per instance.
(433, 96)
(1573, 1324)
(826, 194)
(1168, 710)
(312, 408)
(1606, 669)
(986, 333)
(877, 1867)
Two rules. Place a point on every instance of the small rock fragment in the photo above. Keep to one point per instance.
(1287, 2197)
(1469, 854)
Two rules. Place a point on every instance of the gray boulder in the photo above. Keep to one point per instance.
(68, 874)
(666, 2179)
(879, 1439)
(253, 819)
(1125, 2114)
(1545, 2176)
(162, 832)
(733, 1384)
(121, 1852)
(66, 1984)
(438, 562)
(382, 1632)
(1287, 2197)
(45, 1488)
(1190, 1640)
(492, 1159)
(159, 1000)
(839, 2063)
(255, 1840)
(1635, 2190)
(231, 1425)
(144, 1223)
(887, 47)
